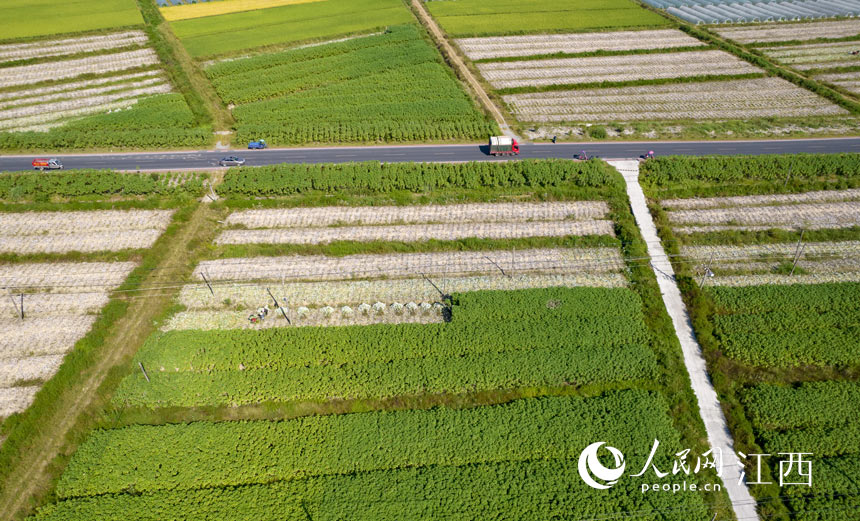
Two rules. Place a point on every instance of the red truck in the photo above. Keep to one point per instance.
(504, 146)
(47, 164)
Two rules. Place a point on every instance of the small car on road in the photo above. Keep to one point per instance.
(47, 164)
(232, 161)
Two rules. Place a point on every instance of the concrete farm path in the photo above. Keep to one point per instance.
(458, 64)
(719, 437)
(32, 473)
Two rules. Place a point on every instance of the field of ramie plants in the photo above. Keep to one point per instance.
(94, 90)
(425, 392)
(768, 252)
(58, 267)
(388, 87)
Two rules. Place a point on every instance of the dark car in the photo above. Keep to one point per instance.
(232, 161)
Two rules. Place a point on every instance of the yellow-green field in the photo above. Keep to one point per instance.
(189, 11)
(324, 19)
(480, 18)
(29, 18)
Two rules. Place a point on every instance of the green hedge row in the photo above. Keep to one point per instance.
(495, 340)
(675, 171)
(76, 183)
(814, 404)
(378, 177)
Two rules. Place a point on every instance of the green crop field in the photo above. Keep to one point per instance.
(472, 352)
(422, 464)
(475, 18)
(162, 121)
(386, 88)
(326, 19)
(96, 183)
(30, 18)
(818, 418)
(781, 340)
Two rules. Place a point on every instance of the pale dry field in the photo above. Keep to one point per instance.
(782, 32)
(713, 100)
(533, 45)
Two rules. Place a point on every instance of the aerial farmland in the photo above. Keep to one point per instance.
(429, 259)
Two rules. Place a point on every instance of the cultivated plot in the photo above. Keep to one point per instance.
(817, 55)
(48, 307)
(716, 100)
(768, 33)
(776, 312)
(295, 22)
(534, 45)
(484, 221)
(597, 69)
(96, 91)
(388, 87)
(29, 18)
(476, 18)
(62, 232)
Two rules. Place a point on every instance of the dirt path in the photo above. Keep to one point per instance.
(458, 63)
(31, 475)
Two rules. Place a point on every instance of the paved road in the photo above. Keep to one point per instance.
(619, 150)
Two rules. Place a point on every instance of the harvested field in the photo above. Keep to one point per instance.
(42, 335)
(64, 277)
(778, 279)
(367, 215)
(842, 249)
(101, 230)
(759, 264)
(418, 232)
(72, 86)
(81, 44)
(355, 292)
(812, 216)
(594, 69)
(61, 302)
(816, 55)
(17, 370)
(852, 194)
(766, 33)
(508, 46)
(319, 267)
(49, 304)
(304, 317)
(488, 221)
(100, 64)
(849, 81)
(16, 399)
(717, 100)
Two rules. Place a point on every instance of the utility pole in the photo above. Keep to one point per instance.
(708, 272)
(798, 251)
(207, 283)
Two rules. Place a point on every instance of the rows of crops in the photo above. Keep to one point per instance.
(287, 24)
(730, 11)
(778, 315)
(818, 418)
(490, 343)
(100, 91)
(375, 177)
(406, 464)
(388, 87)
(760, 326)
(768, 33)
(24, 18)
(96, 183)
(57, 313)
